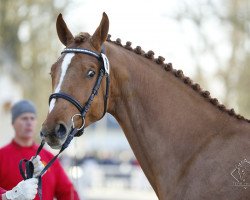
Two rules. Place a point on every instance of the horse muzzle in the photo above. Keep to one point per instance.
(55, 137)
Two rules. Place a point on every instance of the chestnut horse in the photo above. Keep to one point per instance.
(187, 143)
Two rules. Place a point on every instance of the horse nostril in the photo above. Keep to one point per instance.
(60, 130)
(42, 134)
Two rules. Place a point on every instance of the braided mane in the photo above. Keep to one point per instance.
(179, 74)
(82, 37)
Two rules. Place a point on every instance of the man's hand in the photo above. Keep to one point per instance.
(24, 190)
(38, 165)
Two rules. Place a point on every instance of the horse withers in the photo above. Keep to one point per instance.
(188, 144)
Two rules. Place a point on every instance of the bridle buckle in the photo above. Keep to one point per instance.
(83, 121)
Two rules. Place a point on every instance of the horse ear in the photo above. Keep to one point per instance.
(63, 32)
(101, 32)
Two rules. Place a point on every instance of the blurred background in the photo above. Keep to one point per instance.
(208, 39)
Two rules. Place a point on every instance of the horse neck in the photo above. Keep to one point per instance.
(164, 120)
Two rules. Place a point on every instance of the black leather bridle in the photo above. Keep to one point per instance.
(104, 70)
(27, 171)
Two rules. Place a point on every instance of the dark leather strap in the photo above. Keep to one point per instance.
(29, 167)
(80, 50)
(68, 98)
(83, 110)
(28, 171)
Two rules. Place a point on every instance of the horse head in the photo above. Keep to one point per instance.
(75, 81)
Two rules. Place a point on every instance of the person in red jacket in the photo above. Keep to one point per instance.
(55, 183)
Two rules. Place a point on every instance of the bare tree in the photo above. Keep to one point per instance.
(29, 45)
(222, 29)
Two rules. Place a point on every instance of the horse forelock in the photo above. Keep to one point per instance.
(81, 37)
(178, 74)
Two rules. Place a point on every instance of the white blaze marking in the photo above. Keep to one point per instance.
(66, 61)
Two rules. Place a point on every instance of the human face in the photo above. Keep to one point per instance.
(25, 125)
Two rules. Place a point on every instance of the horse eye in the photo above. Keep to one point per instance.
(91, 73)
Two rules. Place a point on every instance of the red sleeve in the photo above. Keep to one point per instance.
(64, 188)
(2, 191)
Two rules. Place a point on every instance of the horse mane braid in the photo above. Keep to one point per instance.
(179, 74)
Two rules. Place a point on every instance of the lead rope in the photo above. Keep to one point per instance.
(76, 167)
(29, 167)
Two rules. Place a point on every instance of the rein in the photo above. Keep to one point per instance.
(28, 170)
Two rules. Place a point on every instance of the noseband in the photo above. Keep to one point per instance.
(104, 70)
